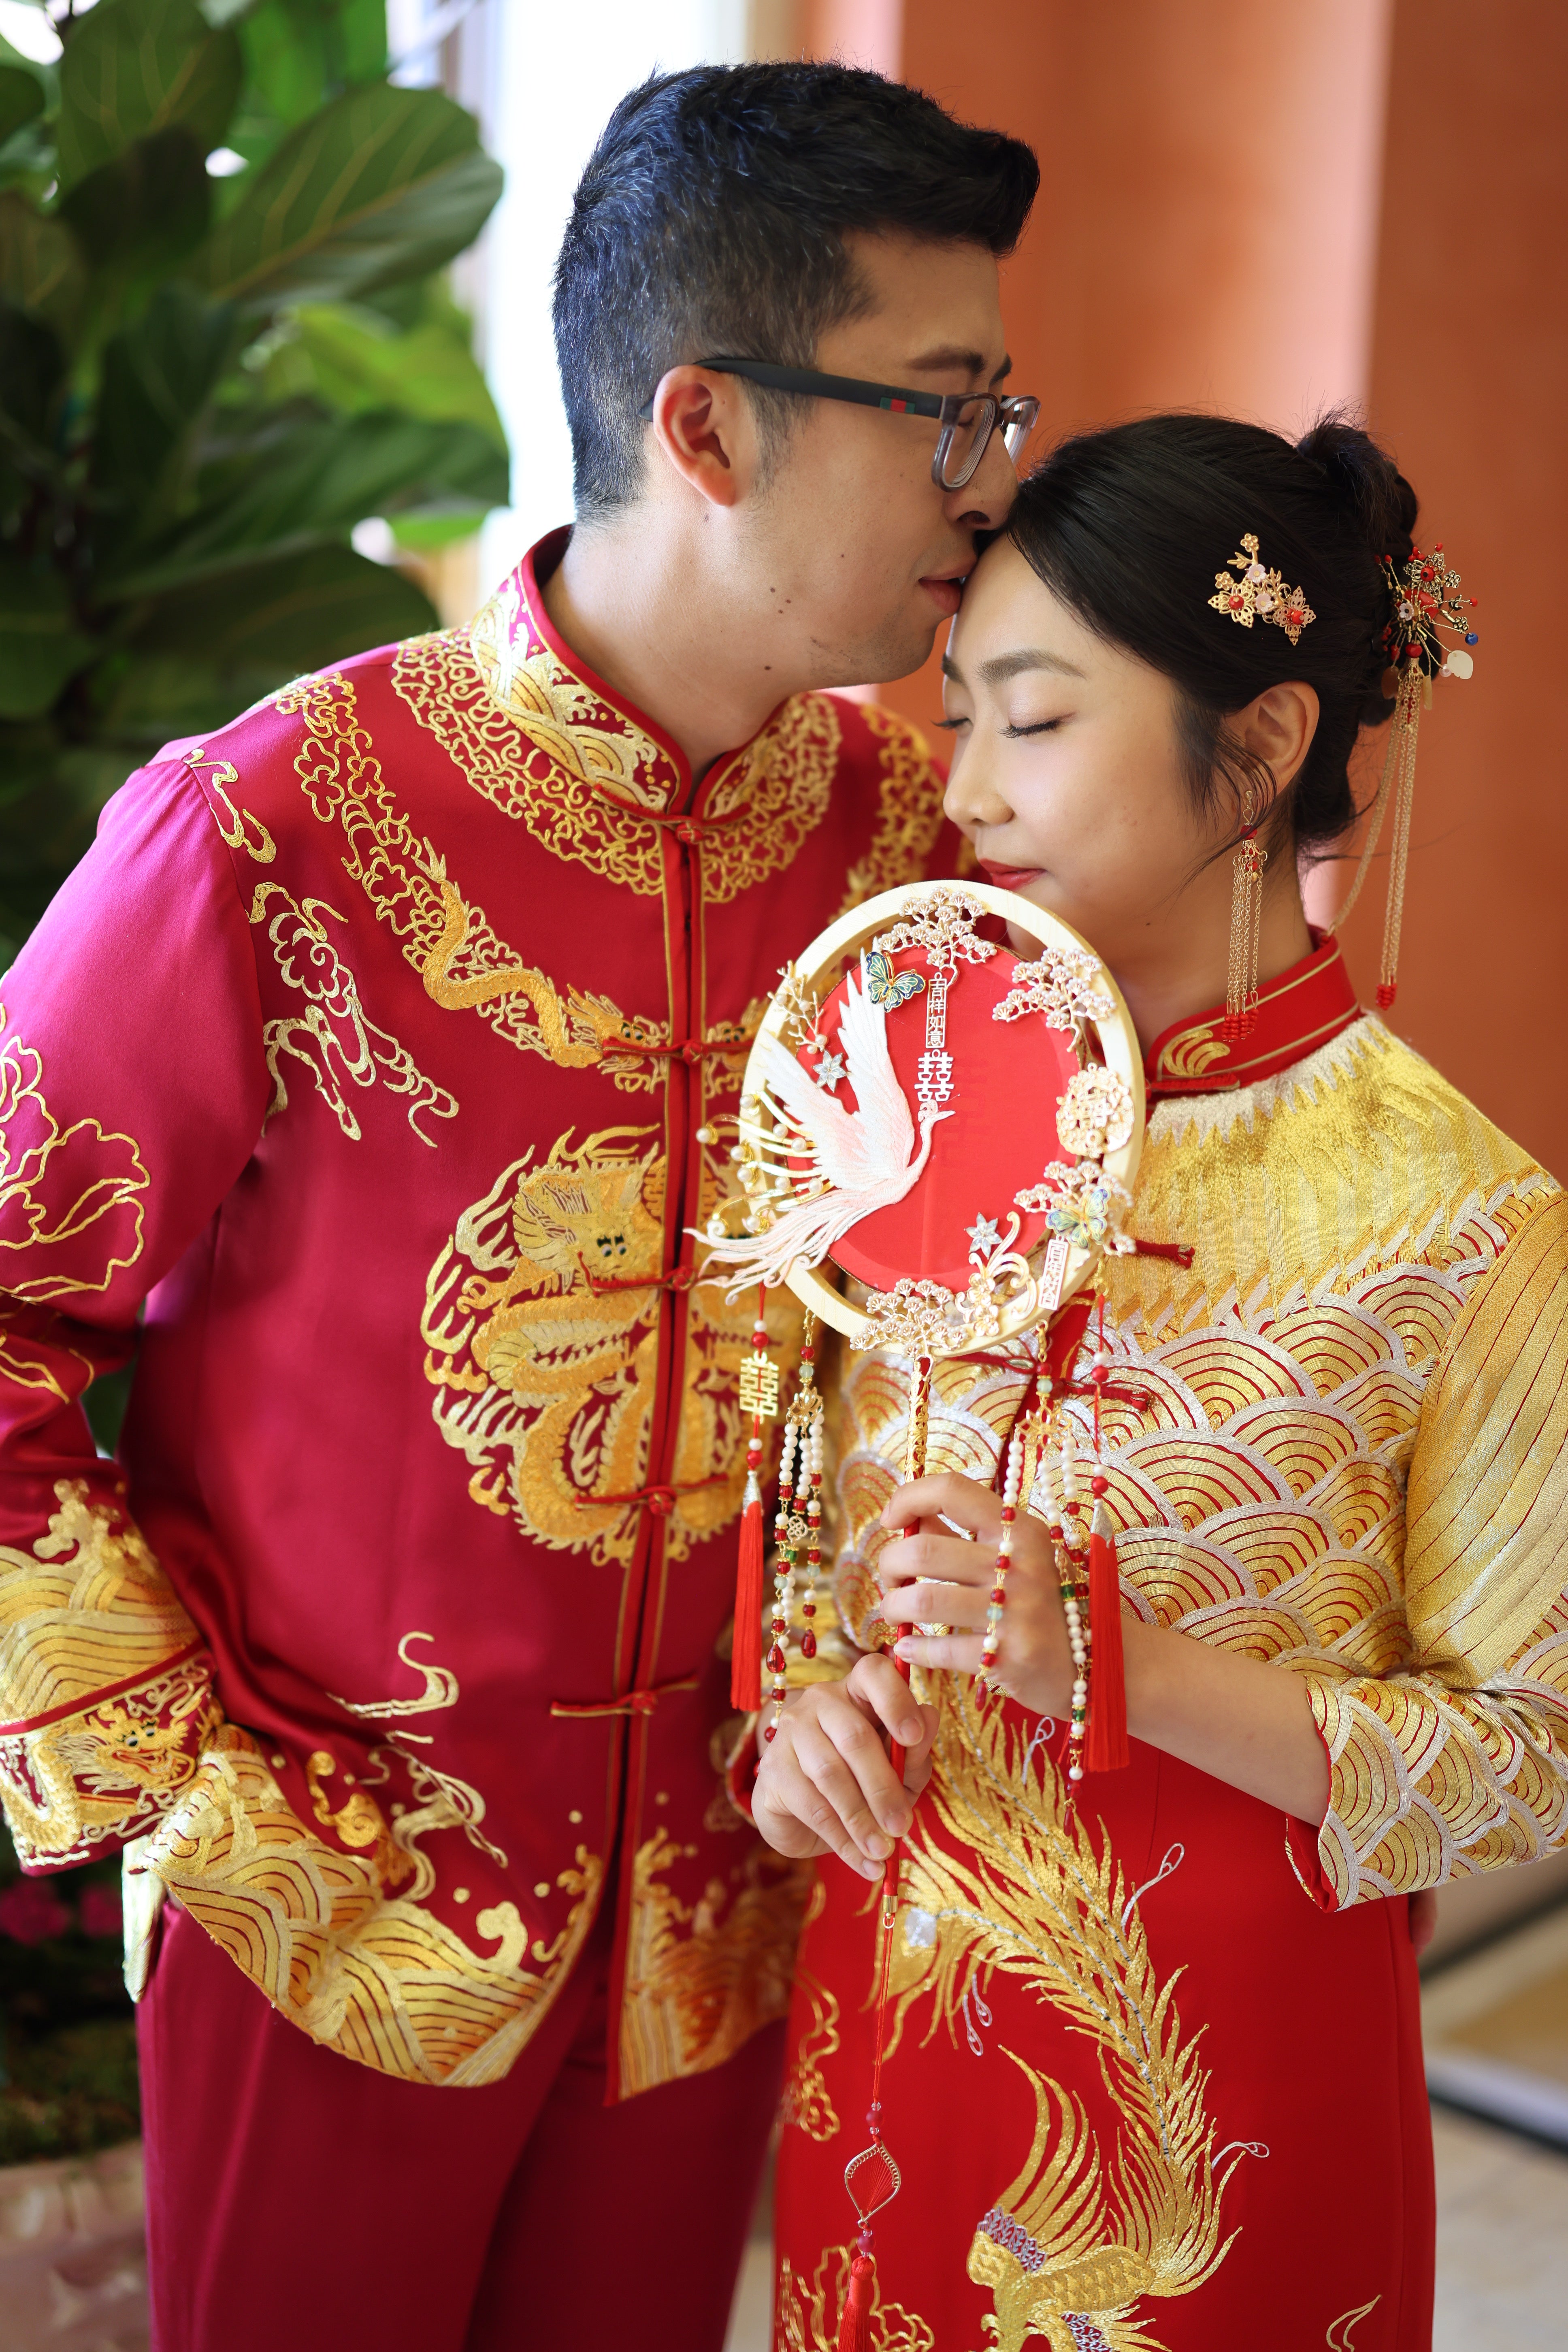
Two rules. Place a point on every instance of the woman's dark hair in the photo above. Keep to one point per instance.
(711, 219)
(1129, 527)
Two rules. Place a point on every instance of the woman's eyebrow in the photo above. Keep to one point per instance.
(1002, 667)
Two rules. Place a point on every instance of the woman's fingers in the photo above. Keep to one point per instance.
(936, 1559)
(797, 1817)
(877, 1682)
(936, 1604)
(959, 1653)
(963, 1501)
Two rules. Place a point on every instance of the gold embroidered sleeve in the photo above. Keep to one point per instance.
(1459, 1762)
(105, 1689)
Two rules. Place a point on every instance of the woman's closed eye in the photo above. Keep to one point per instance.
(1037, 726)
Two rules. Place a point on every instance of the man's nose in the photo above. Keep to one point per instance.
(986, 499)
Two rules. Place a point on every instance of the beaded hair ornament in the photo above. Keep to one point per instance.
(1424, 607)
(936, 1144)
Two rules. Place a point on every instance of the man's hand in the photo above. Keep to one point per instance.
(827, 1786)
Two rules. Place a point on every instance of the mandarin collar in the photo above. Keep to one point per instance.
(1298, 1012)
(536, 677)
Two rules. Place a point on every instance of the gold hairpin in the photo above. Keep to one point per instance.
(1259, 593)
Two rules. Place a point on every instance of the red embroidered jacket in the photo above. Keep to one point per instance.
(382, 1045)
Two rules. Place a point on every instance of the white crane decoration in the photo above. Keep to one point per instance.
(863, 1155)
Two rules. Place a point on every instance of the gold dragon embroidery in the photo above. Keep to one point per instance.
(333, 1037)
(444, 936)
(1077, 2240)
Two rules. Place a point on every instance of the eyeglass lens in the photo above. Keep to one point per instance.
(964, 440)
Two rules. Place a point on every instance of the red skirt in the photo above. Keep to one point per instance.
(1143, 2093)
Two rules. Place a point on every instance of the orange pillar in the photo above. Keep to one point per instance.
(1469, 385)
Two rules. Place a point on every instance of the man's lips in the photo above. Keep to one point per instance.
(945, 589)
(1010, 878)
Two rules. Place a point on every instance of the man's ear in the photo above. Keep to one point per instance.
(1279, 728)
(703, 427)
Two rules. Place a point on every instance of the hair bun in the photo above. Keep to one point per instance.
(1366, 481)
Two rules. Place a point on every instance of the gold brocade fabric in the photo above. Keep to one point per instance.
(1353, 1462)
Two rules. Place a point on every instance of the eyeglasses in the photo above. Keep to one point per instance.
(968, 419)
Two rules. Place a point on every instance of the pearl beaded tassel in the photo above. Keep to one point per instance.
(1011, 1484)
(812, 1451)
(783, 1575)
(1078, 1633)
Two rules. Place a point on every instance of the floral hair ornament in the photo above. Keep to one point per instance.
(911, 1077)
(1425, 608)
(1260, 593)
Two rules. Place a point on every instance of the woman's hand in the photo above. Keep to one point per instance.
(952, 1581)
(825, 1784)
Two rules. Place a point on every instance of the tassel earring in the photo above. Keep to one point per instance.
(1245, 927)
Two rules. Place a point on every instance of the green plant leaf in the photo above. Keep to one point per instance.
(21, 99)
(40, 646)
(32, 366)
(143, 212)
(41, 265)
(381, 184)
(317, 479)
(133, 67)
(159, 376)
(264, 623)
(298, 55)
(357, 363)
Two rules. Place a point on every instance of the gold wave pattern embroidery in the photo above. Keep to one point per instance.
(702, 1977)
(89, 1611)
(909, 816)
(333, 1037)
(1023, 1891)
(544, 748)
(808, 2313)
(407, 885)
(1191, 1052)
(364, 1971)
(70, 1199)
(1354, 1217)
(546, 1386)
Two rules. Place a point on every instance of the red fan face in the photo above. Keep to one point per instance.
(1007, 1078)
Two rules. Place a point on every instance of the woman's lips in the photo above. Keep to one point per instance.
(946, 594)
(1011, 877)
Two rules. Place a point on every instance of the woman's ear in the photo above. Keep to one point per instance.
(1279, 728)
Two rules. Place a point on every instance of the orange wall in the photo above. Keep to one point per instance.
(1469, 384)
(1269, 210)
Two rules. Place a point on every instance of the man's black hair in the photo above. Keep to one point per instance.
(711, 219)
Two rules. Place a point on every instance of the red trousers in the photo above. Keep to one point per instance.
(296, 2199)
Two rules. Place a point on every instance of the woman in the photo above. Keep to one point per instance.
(1154, 2075)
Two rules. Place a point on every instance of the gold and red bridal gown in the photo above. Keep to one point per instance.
(1155, 2075)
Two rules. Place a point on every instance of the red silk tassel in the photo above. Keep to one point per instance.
(854, 2320)
(746, 1652)
(1105, 1743)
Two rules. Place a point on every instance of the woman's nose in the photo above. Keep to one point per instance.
(972, 798)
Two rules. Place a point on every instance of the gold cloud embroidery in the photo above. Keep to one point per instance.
(333, 1037)
(70, 1199)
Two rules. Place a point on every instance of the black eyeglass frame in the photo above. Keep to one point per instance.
(1016, 413)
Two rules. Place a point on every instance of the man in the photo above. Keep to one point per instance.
(387, 1044)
